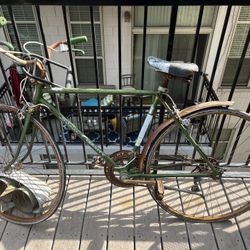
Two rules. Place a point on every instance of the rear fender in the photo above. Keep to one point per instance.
(182, 113)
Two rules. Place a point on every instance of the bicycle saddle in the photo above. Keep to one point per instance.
(177, 69)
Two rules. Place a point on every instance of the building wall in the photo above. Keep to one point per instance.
(53, 25)
(241, 96)
(54, 30)
(110, 35)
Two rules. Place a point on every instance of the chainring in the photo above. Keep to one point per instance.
(117, 157)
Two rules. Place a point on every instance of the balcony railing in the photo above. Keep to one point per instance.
(98, 122)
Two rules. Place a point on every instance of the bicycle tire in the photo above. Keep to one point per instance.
(38, 175)
(210, 199)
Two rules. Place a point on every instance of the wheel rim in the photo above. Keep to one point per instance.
(215, 200)
(37, 195)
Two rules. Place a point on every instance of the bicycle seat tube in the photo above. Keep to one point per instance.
(173, 112)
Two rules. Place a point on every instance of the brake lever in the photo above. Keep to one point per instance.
(79, 50)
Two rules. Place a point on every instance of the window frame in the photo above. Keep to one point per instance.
(35, 22)
(179, 30)
(247, 86)
(77, 57)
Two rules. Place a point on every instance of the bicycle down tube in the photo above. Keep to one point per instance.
(81, 135)
(144, 128)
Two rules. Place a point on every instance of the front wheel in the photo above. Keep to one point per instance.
(32, 188)
(224, 136)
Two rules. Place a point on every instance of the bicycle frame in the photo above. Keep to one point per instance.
(158, 98)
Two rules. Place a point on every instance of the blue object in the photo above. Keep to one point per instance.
(92, 102)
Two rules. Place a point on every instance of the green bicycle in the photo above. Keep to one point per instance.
(198, 180)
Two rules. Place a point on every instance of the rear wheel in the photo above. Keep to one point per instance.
(224, 135)
(31, 190)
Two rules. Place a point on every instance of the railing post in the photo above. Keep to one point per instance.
(74, 77)
(238, 138)
(96, 73)
(120, 74)
(13, 22)
(196, 38)
(243, 54)
(44, 40)
(143, 56)
(219, 50)
(170, 48)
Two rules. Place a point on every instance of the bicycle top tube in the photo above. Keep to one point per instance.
(95, 91)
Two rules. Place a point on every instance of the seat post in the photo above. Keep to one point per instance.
(164, 85)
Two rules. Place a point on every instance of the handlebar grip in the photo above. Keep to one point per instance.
(3, 21)
(7, 44)
(78, 39)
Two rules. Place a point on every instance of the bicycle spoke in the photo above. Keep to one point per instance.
(223, 198)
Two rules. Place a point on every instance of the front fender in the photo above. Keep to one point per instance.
(182, 113)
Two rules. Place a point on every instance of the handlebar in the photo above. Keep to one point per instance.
(78, 39)
(3, 21)
(22, 62)
(73, 41)
(15, 58)
(35, 61)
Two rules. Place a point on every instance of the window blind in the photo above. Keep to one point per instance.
(81, 26)
(240, 35)
(26, 26)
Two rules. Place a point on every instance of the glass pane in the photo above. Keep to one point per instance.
(159, 16)
(230, 71)
(188, 16)
(86, 71)
(156, 45)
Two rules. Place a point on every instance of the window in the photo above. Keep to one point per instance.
(159, 16)
(243, 25)
(26, 26)
(81, 25)
(157, 43)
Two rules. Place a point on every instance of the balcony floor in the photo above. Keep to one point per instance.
(89, 219)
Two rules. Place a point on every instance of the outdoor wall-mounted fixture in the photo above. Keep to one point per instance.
(127, 16)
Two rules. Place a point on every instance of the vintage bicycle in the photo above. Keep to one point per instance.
(198, 180)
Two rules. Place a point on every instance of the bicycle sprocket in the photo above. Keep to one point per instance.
(119, 157)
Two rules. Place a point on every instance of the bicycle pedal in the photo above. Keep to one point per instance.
(159, 190)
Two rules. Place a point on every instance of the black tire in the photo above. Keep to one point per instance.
(204, 199)
(38, 175)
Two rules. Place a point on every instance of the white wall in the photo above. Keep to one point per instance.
(54, 30)
(53, 26)
(110, 33)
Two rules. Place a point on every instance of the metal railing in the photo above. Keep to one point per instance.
(99, 121)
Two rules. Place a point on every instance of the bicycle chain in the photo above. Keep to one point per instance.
(118, 156)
